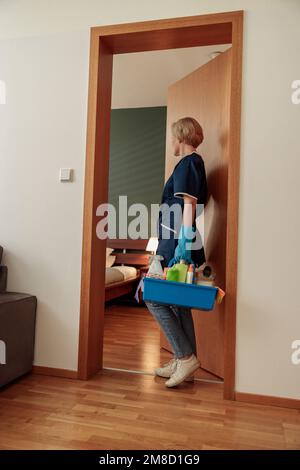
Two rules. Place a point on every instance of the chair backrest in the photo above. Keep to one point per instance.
(129, 252)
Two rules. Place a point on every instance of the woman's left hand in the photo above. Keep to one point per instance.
(183, 249)
(187, 233)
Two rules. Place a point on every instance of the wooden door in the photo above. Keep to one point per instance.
(205, 95)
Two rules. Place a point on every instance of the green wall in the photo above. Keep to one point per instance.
(137, 155)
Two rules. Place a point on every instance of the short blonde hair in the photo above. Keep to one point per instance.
(188, 130)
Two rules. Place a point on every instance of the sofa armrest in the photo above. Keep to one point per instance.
(3, 278)
(17, 333)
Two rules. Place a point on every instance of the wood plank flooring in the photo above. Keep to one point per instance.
(117, 410)
(132, 340)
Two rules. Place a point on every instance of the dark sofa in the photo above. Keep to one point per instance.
(17, 330)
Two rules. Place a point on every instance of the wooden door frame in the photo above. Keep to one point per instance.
(105, 41)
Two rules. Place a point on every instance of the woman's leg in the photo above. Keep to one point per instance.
(171, 325)
(185, 318)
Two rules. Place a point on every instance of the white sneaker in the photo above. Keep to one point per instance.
(168, 369)
(184, 369)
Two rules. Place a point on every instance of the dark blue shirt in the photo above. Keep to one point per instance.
(188, 178)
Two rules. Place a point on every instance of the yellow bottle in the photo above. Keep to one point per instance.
(172, 274)
(177, 272)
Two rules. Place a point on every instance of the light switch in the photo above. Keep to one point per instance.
(65, 174)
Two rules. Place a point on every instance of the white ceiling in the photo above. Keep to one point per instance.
(141, 79)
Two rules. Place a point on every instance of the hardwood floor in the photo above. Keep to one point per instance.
(117, 410)
(132, 341)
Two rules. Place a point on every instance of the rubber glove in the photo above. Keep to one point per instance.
(183, 249)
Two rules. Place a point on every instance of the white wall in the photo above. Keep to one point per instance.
(43, 124)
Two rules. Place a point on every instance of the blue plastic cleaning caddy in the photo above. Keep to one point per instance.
(179, 293)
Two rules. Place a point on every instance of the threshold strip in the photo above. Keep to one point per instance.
(216, 381)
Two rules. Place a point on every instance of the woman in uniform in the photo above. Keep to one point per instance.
(178, 238)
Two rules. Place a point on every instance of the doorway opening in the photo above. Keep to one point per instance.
(202, 30)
